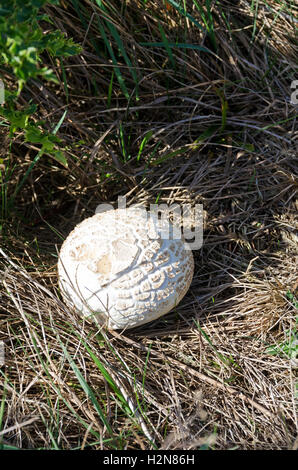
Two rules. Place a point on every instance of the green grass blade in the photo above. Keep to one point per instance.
(107, 377)
(167, 45)
(207, 133)
(177, 152)
(64, 81)
(8, 447)
(208, 21)
(179, 45)
(49, 431)
(224, 108)
(114, 60)
(24, 179)
(143, 143)
(88, 391)
(2, 406)
(184, 13)
(110, 90)
(58, 392)
(122, 50)
(58, 125)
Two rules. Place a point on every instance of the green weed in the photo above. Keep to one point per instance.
(22, 43)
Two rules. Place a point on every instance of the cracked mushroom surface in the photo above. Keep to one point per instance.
(120, 266)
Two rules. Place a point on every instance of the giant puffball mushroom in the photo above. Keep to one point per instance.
(117, 266)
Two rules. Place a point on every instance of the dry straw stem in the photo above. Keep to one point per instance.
(214, 127)
(202, 377)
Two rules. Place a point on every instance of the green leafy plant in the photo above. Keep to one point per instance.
(22, 43)
(288, 348)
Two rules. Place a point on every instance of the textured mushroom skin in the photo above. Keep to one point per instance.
(115, 265)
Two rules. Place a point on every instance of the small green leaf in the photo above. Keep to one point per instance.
(59, 156)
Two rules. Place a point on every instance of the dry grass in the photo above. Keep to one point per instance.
(203, 375)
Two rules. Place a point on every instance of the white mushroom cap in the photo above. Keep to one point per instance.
(117, 265)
